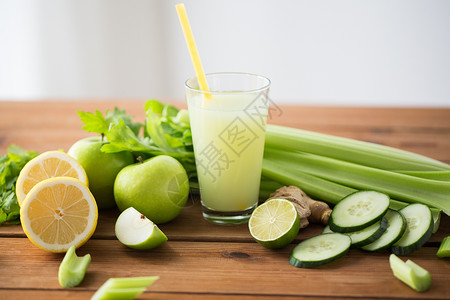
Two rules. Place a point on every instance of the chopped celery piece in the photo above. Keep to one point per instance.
(131, 282)
(444, 249)
(359, 152)
(403, 187)
(123, 288)
(73, 268)
(410, 273)
(118, 294)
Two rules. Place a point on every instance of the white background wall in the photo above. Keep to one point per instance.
(330, 52)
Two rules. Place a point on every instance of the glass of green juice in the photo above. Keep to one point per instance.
(228, 129)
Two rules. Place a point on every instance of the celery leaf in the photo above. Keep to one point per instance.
(166, 132)
(96, 122)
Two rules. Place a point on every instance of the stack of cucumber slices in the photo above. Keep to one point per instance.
(363, 220)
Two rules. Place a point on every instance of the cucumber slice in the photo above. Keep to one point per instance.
(358, 211)
(410, 273)
(419, 227)
(319, 250)
(365, 236)
(395, 228)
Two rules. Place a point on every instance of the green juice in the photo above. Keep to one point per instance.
(228, 132)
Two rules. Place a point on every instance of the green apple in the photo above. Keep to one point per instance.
(157, 187)
(136, 231)
(101, 168)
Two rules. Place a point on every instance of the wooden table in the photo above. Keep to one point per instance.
(202, 260)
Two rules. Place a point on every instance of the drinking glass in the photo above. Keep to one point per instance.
(228, 129)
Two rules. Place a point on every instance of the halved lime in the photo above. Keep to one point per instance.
(275, 223)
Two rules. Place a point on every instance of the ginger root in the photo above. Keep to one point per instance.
(309, 210)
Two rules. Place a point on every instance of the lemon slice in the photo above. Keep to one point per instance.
(275, 223)
(59, 213)
(47, 165)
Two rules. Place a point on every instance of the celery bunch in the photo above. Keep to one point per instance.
(329, 168)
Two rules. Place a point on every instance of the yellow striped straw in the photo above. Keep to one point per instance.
(182, 15)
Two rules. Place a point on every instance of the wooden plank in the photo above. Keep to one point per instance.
(56, 125)
(51, 125)
(222, 268)
(14, 294)
(190, 226)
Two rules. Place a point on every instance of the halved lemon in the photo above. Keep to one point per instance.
(59, 213)
(48, 165)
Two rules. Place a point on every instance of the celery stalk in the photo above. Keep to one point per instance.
(131, 282)
(123, 288)
(399, 186)
(265, 194)
(73, 268)
(315, 187)
(444, 248)
(267, 187)
(270, 184)
(118, 294)
(410, 273)
(359, 152)
(434, 175)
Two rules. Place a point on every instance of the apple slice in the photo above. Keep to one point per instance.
(136, 231)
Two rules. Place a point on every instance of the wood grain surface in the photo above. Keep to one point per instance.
(206, 261)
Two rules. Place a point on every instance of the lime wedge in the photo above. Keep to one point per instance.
(275, 223)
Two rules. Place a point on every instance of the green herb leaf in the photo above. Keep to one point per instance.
(116, 116)
(96, 122)
(10, 166)
(10, 206)
(168, 127)
(122, 138)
